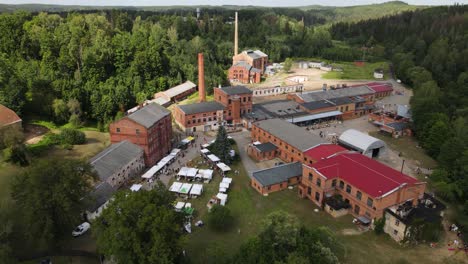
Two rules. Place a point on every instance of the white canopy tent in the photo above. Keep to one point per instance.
(223, 167)
(205, 145)
(175, 151)
(191, 172)
(227, 180)
(222, 190)
(206, 174)
(179, 206)
(136, 187)
(204, 151)
(224, 185)
(232, 153)
(213, 158)
(222, 198)
(150, 173)
(175, 187)
(185, 189)
(196, 190)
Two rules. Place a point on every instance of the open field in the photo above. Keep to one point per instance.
(353, 72)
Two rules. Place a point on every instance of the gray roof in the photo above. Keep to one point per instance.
(201, 107)
(278, 174)
(179, 89)
(313, 105)
(279, 108)
(148, 115)
(255, 54)
(256, 70)
(100, 196)
(111, 160)
(398, 126)
(238, 89)
(338, 93)
(295, 136)
(266, 147)
(243, 64)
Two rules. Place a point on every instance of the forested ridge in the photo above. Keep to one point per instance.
(429, 52)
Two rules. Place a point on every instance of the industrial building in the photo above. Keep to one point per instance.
(363, 143)
(149, 127)
(175, 94)
(277, 178)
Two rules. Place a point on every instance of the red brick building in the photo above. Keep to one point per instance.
(175, 94)
(366, 186)
(248, 66)
(149, 127)
(237, 101)
(277, 178)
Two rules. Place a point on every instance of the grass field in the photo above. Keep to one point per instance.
(353, 72)
(250, 208)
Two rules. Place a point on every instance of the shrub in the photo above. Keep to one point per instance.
(379, 226)
(72, 136)
(220, 218)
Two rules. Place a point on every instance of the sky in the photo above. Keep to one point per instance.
(227, 2)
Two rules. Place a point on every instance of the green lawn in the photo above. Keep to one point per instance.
(353, 72)
(193, 98)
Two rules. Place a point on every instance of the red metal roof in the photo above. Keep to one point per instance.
(364, 173)
(380, 87)
(323, 151)
(7, 116)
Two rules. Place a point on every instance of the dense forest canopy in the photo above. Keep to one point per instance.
(429, 51)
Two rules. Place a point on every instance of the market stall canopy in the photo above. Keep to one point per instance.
(179, 206)
(197, 189)
(175, 151)
(175, 187)
(213, 158)
(222, 190)
(191, 172)
(227, 180)
(223, 167)
(185, 189)
(136, 187)
(204, 151)
(222, 198)
(205, 145)
(224, 185)
(150, 173)
(206, 174)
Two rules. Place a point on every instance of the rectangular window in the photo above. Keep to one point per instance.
(137, 131)
(118, 130)
(309, 190)
(334, 183)
(310, 176)
(397, 222)
(317, 196)
(348, 188)
(188, 122)
(341, 185)
(358, 195)
(243, 99)
(319, 182)
(229, 102)
(370, 202)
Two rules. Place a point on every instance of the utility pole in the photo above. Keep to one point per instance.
(402, 164)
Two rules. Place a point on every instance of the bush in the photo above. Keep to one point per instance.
(70, 136)
(220, 218)
(379, 226)
(16, 155)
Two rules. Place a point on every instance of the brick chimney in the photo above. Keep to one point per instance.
(201, 79)
(236, 38)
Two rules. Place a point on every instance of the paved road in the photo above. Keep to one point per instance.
(243, 140)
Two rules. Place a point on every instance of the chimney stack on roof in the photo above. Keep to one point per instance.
(201, 79)
(236, 41)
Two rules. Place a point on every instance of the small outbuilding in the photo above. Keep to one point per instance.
(276, 178)
(363, 143)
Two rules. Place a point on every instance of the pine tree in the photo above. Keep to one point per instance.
(222, 147)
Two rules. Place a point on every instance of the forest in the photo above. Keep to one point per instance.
(429, 52)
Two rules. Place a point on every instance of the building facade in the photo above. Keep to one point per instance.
(150, 127)
(277, 178)
(365, 185)
(248, 66)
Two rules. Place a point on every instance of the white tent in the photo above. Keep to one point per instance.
(175, 187)
(222, 190)
(222, 198)
(205, 145)
(150, 173)
(191, 172)
(185, 189)
(206, 174)
(136, 187)
(196, 190)
(232, 153)
(175, 151)
(224, 185)
(204, 151)
(213, 158)
(227, 180)
(179, 206)
(223, 167)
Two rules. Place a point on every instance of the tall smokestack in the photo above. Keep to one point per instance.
(201, 79)
(236, 40)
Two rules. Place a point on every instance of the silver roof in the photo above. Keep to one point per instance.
(338, 93)
(179, 89)
(148, 115)
(278, 174)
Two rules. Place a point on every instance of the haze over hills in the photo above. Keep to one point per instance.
(330, 13)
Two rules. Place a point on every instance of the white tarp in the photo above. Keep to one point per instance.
(222, 190)
(224, 185)
(136, 187)
(185, 189)
(232, 153)
(175, 187)
(192, 172)
(150, 173)
(197, 189)
(206, 174)
(179, 206)
(227, 180)
(183, 171)
(222, 197)
(175, 151)
(205, 145)
(223, 167)
(213, 158)
(204, 151)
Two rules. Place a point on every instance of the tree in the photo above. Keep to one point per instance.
(287, 64)
(60, 109)
(220, 218)
(379, 226)
(49, 195)
(72, 136)
(140, 227)
(222, 146)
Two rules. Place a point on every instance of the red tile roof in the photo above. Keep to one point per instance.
(323, 151)
(364, 173)
(380, 87)
(7, 116)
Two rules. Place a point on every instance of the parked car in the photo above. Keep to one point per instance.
(81, 229)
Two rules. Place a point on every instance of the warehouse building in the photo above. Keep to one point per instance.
(363, 143)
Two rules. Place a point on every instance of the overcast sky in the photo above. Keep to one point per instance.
(227, 2)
